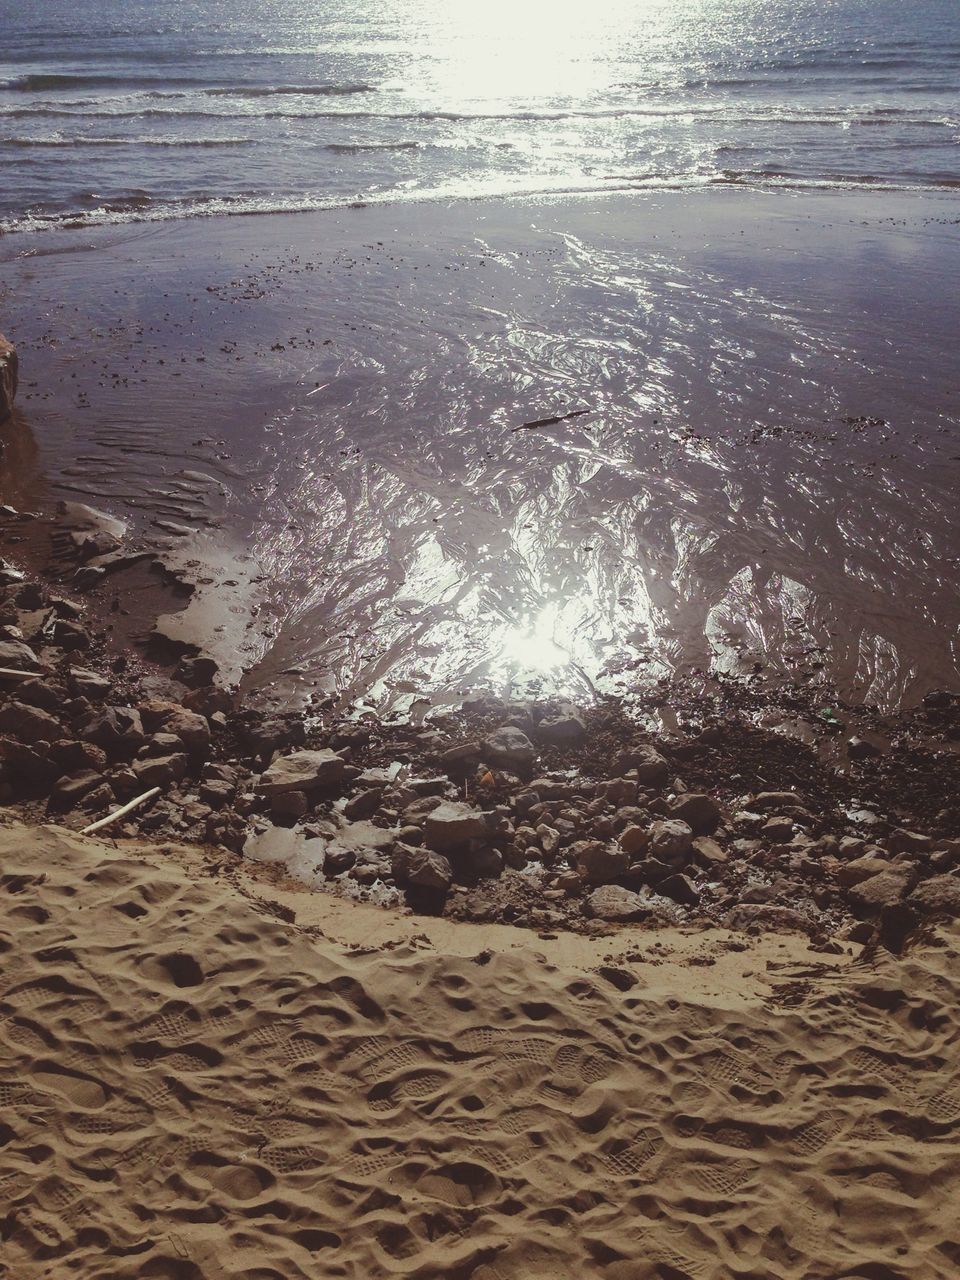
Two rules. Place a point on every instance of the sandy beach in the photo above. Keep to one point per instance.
(213, 1075)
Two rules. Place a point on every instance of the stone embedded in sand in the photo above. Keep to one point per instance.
(768, 800)
(597, 862)
(510, 748)
(303, 771)
(650, 766)
(18, 656)
(613, 902)
(423, 867)
(8, 377)
(940, 895)
(29, 724)
(756, 916)
(452, 825)
(700, 812)
(883, 890)
(671, 840)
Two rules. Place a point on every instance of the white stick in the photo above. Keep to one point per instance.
(10, 673)
(121, 812)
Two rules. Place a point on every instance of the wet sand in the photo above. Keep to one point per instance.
(288, 1085)
(317, 412)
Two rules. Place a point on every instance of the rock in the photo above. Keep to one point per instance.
(708, 853)
(651, 767)
(549, 838)
(197, 672)
(779, 829)
(289, 804)
(8, 377)
(189, 726)
(462, 755)
(266, 734)
(700, 812)
(119, 730)
(160, 771)
(563, 730)
(482, 862)
(862, 749)
(452, 825)
(883, 890)
(42, 693)
(303, 771)
(768, 800)
(614, 903)
(29, 724)
(422, 867)
(671, 840)
(680, 889)
(940, 895)
(18, 656)
(87, 684)
(860, 869)
(30, 769)
(908, 842)
(597, 862)
(364, 804)
(634, 839)
(216, 792)
(69, 791)
(510, 748)
(756, 917)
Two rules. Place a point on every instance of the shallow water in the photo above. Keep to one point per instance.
(159, 108)
(767, 474)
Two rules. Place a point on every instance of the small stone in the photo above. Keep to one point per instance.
(422, 867)
(18, 656)
(680, 889)
(883, 890)
(649, 765)
(289, 804)
(901, 841)
(87, 684)
(860, 869)
(768, 800)
(564, 730)
(940, 895)
(69, 791)
(862, 749)
(29, 724)
(160, 771)
(778, 829)
(364, 804)
(708, 853)
(634, 839)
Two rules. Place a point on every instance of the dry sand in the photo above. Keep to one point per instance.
(195, 1086)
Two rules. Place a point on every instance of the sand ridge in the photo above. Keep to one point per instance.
(208, 1077)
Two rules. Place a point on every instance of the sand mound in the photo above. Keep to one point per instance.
(197, 1088)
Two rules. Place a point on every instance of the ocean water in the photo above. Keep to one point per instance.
(122, 110)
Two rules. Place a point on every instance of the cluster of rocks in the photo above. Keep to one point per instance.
(538, 814)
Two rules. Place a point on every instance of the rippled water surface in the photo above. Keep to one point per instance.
(118, 109)
(767, 474)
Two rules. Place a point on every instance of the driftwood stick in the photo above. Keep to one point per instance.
(11, 673)
(121, 812)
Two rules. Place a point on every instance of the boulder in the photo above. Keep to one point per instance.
(614, 903)
(700, 812)
(18, 656)
(119, 730)
(8, 377)
(650, 766)
(671, 840)
(859, 869)
(510, 748)
(597, 862)
(29, 724)
(423, 867)
(940, 895)
(883, 890)
(303, 771)
(452, 825)
(563, 730)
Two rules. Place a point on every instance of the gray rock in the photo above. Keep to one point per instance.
(303, 771)
(87, 684)
(671, 840)
(940, 895)
(510, 748)
(422, 867)
(364, 804)
(28, 724)
(700, 812)
(18, 656)
(452, 825)
(614, 903)
(651, 767)
(597, 862)
(564, 730)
